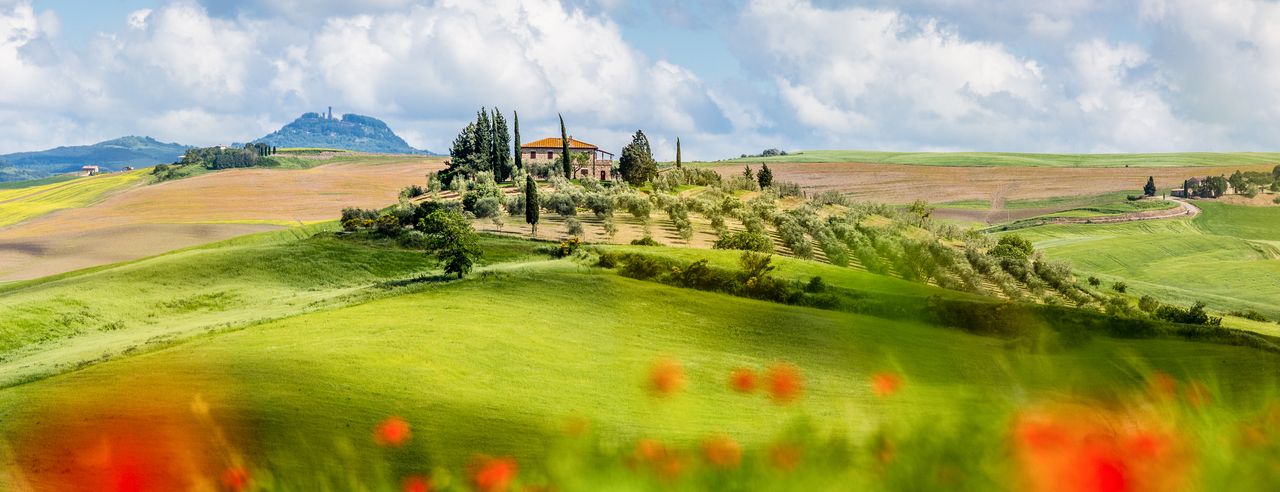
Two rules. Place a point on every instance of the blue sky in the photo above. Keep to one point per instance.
(725, 76)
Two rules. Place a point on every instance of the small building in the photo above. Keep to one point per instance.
(89, 171)
(127, 168)
(548, 150)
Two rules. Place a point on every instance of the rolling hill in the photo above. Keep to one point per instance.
(352, 132)
(284, 345)
(111, 155)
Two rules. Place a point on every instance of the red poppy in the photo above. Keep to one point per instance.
(885, 384)
(785, 383)
(785, 456)
(235, 479)
(493, 474)
(743, 380)
(650, 451)
(1080, 449)
(666, 378)
(415, 483)
(722, 452)
(393, 432)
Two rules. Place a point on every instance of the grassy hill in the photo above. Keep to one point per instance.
(1226, 256)
(1013, 159)
(282, 352)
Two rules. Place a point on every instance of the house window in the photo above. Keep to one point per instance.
(550, 154)
(533, 154)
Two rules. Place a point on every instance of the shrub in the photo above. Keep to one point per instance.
(1120, 287)
(560, 203)
(610, 229)
(600, 204)
(815, 286)
(1250, 315)
(1195, 315)
(1148, 304)
(1013, 246)
(645, 241)
(488, 206)
(1094, 281)
(515, 205)
(642, 267)
(830, 198)
(568, 247)
(412, 191)
(745, 241)
(786, 189)
(573, 226)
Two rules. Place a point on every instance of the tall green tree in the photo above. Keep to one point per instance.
(484, 142)
(454, 242)
(501, 147)
(746, 172)
(636, 165)
(678, 153)
(515, 121)
(531, 203)
(1150, 188)
(765, 176)
(564, 151)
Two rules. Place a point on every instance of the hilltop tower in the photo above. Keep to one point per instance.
(331, 112)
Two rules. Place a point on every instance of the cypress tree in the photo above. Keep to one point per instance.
(515, 117)
(677, 152)
(483, 143)
(1150, 188)
(502, 147)
(531, 203)
(765, 176)
(564, 151)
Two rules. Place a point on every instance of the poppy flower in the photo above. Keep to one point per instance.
(885, 384)
(784, 382)
(393, 432)
(235, 479)
(493, 474)
(1070, 449)
(650, 451)
(666, 378)
(415, 483)
(742, 380)
(722, 452)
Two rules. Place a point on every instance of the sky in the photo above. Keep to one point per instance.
(726, 77)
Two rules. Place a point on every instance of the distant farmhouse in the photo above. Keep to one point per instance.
(548, 150)
(89, 171)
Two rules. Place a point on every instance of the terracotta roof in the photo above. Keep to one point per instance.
(556, 143)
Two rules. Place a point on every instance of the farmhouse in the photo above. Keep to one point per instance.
(547, 150)
(89, 171)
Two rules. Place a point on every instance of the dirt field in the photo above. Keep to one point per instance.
(148, 220)
(892, 183)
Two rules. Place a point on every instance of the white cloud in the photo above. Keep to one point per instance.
(849, 71)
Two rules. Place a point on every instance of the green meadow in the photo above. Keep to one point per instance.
(1014, 159)
(1225, 257)
(316, 339)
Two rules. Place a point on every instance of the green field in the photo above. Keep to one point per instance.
(19, 204)
(301, 344)
(1226, 256)
(1012, 159)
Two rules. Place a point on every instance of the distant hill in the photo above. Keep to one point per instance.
(352, 132)
(111, 155)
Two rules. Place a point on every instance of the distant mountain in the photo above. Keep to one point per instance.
(111, 155)
(352, 132)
